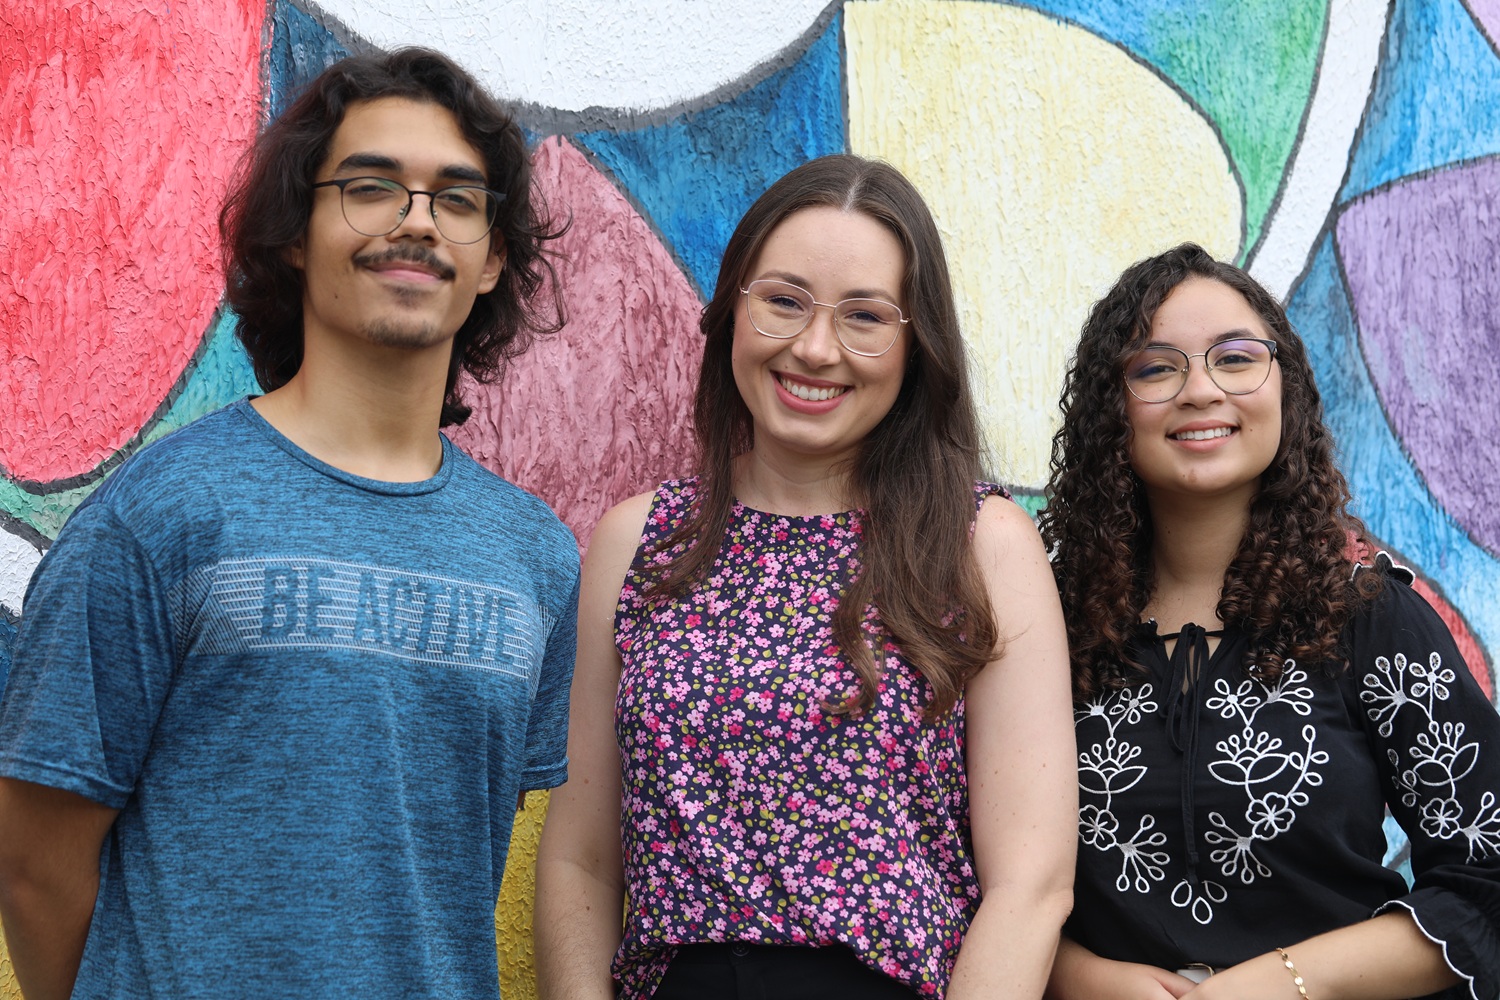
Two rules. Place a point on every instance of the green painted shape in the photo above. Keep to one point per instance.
(1250, 65)
(220, 374)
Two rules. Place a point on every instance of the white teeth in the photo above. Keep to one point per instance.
(809, 393)
(1208, 435)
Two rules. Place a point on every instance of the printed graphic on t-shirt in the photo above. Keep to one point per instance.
(291, 603)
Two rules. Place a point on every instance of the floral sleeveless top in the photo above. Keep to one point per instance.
(751, 814)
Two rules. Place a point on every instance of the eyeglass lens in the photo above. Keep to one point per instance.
(1158, 374)
(374, 206)
(864, 326)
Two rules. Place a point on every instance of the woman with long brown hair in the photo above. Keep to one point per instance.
(1248, 699)
(821, 686)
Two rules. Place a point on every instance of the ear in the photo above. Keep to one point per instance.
(293, 254)
(493, 265)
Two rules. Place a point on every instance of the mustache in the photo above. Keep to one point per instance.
(408, 254)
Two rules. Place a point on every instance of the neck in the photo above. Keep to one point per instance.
(1194, 541)
(792, 485)
(373, 411)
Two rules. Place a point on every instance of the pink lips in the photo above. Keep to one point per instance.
(414, 275)
(811, 407)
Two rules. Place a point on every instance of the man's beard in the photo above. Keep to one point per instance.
(414, 334)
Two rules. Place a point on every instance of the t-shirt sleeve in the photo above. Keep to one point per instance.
(92, 666)
(547, 730)
(1438, 737)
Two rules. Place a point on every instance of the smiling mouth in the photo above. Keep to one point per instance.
(1208, 435)
(811, 394)
(414, 260)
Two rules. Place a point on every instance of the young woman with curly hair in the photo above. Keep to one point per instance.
(821, 686)
(1247, 700)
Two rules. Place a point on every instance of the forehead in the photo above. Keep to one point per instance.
(1202, 310)
(833, 242)
(422, 137)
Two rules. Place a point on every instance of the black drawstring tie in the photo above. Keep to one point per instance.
(1182, 707)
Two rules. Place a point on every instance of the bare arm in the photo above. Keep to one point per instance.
(1023, 787)
(1079, 974)
(1385, 958)
(49, 879)
(580, 884)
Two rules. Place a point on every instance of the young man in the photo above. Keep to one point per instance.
(281, 679)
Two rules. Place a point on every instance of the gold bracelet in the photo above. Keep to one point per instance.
(1286, 960)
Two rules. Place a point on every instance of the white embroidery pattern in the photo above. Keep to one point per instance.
(1274, 778)
(1438, 759)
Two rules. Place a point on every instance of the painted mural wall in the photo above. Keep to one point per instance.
(1347, 152)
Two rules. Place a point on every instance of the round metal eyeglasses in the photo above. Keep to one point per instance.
(781, 310)
(376, 206)
(1238, 367)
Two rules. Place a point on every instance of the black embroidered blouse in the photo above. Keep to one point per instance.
(1221, 817)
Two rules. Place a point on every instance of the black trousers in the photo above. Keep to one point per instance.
(744, 971)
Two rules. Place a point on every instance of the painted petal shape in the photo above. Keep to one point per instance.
(1076, 161)
(121, 124)
(603, 409)
(1420, 259)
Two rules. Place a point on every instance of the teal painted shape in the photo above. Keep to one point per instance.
(1389, 495)
(1254, 93)
(300, 49)
(1436, 99)
(219, 374)
(695, 175)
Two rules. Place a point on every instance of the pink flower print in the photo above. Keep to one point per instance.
(826, 867)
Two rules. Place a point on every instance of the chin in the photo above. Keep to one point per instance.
(413, 335)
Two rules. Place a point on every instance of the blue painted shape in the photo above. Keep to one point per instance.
(1436, 99)
(300, 49)
(1389, 494)
(1397, 849)
(694, 176)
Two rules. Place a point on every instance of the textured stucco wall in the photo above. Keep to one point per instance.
(1350, 157)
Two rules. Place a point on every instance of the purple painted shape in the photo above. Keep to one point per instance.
(1423, 261)
(1487, 13)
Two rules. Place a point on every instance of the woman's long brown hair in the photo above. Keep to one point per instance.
(1290, 585)
(914, 473)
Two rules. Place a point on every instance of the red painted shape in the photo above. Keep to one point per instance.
(119, 125)
(602, 410)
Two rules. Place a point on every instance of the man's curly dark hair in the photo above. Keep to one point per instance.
(269, 204)
(1290, 586)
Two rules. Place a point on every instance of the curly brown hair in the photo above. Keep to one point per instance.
(270, 201)
(1290, 586)
(914, 474)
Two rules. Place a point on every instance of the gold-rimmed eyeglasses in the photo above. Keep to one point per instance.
(1238, 367)
(781, 310)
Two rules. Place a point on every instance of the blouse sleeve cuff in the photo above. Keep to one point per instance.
(1468, 941)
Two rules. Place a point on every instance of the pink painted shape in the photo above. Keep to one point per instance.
(119, 123)
(1487, 13)
(602, 410)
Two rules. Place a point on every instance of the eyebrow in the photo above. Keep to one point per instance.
(853, 293)
(379, 161)
(1221, 338)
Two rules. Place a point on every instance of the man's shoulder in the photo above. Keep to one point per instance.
(507, 504)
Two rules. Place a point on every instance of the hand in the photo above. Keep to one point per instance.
(1259, 978)
(1103, 979)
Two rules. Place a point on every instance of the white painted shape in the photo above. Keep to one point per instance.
(18, 558)
(636, 55)
(1351, 55)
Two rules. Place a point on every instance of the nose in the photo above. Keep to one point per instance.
(420, 223)
(818, 343)
(1200, 389)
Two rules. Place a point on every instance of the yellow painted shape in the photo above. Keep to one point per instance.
(512, 915)
(1051, 160)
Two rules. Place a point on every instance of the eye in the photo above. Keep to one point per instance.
(460, 200)
(1238, 354)
(868, 314)
(372, 189)
(1152, 368)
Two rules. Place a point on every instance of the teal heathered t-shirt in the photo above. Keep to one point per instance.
(314, 698)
